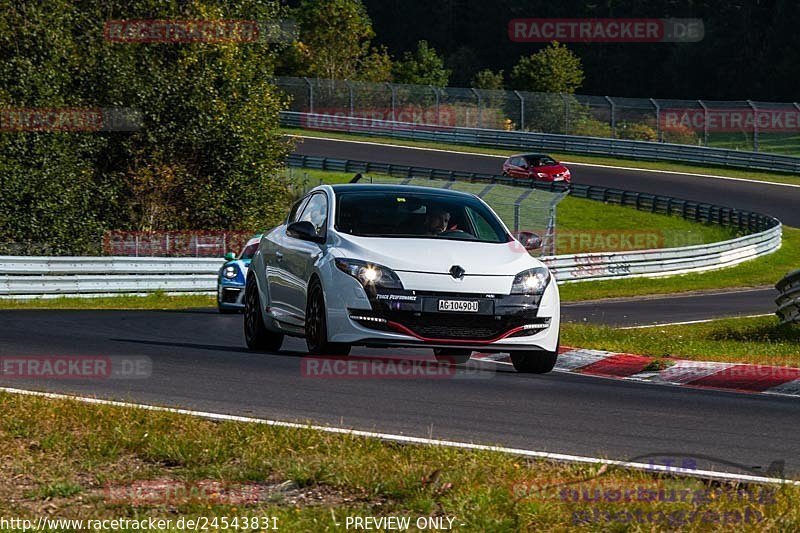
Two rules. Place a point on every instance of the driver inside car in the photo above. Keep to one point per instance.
(436, 221)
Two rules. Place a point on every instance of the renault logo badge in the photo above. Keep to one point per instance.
(457, 272)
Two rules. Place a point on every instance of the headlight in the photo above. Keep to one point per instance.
(230, 272)
(541, 174)
(533, 281)
(369, 274)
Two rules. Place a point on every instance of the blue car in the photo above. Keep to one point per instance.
(231, 277)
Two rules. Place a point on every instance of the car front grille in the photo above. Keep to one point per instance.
(456, 326)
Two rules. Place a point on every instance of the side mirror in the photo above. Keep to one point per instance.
(230, 256)
(305, 231)
(529, 240)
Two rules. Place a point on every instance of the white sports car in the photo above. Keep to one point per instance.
(394, 265)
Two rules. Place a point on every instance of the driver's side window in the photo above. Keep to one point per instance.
(316, 212)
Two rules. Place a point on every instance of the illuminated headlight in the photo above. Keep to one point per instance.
(229, 272)
(369, 274)
(541, 174)
(533, 281)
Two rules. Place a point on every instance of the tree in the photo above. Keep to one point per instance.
(205, 151)
(423, 66)
(336, 37)
(554, 69)
(488, 80)
(376, 66)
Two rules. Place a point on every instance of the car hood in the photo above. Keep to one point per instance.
(438, 255)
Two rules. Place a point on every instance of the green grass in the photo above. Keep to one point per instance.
(309, 480)
(744, 340)
(760, 272)
(151, 301)
(775, 177)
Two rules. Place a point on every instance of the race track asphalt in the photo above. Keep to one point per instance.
(199, 361)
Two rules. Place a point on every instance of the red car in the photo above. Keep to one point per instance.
(540, 167)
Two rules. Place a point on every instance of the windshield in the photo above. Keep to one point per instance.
(541, 161)
(249, 251)
(418, 215)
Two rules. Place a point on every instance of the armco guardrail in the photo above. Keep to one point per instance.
(527, 141)
(789, 299)
(22, 277)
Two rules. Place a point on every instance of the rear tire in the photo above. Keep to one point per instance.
(317, 325)
(534, 361)
(256, 334)
(456, 356)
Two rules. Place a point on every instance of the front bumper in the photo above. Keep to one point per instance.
(411, 318)
(230, 295)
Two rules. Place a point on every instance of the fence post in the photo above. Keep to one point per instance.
(613, 117)
(480, 111)
(705, 122)
(350, 97)
(521, 110)
(659, 135)
(394, 103)
(516, 217)
(566, 113)
(755, 125)
(436, 94)
(310, 95)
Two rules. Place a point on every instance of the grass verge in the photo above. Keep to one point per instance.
(66, 459)
(150, 301)
(759, 340)
(774, 177)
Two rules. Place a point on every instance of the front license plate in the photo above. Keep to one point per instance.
(463, 306)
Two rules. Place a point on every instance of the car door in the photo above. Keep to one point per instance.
(517, 168)
(300, 256)
(278, 277)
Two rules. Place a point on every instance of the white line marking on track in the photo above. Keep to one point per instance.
(405, 439)
(635, 169)
(695, 321)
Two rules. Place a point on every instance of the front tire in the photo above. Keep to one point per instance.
(317, 325)
(534, 361)
(456, 356)
(256, 334)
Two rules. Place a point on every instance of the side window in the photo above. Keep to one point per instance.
(316, 212)
(483, 229)
(295, 211)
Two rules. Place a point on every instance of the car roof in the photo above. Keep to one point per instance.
(390, 188)
(530, 155)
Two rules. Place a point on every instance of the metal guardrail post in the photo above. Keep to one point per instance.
(310, 95)
(613, 117)
(755, 124)
(394, 100)
(659, 134)
(436, 95)
(350, 97)
(480, 111)
(521, 110)
(705, 122)
(566, 113)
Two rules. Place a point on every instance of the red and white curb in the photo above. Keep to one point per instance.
(737, 377)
